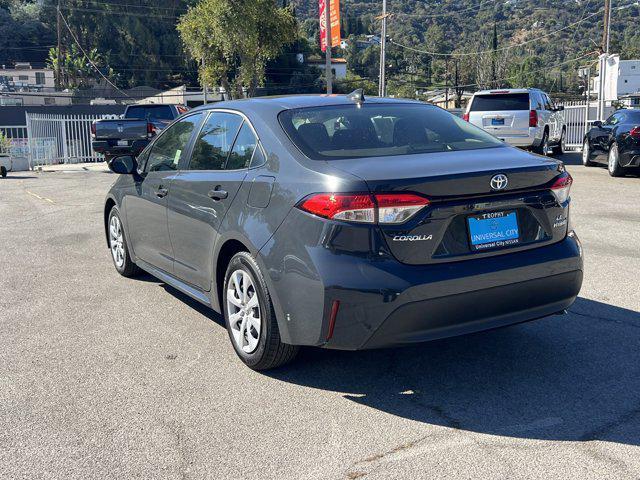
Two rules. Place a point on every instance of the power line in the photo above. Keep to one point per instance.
(511, 77)
(508, 47)
(75, 39)
(445, 14)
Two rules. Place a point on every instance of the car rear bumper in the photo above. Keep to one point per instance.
(385, 303)
(630, 158)
(109, 148)
(524, 140)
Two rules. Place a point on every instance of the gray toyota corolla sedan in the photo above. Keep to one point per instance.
(345, 222)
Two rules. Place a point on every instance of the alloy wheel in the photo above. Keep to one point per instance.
(243, 308)
(585, 154)
(613, 158)
(116, 241)
(545, 146)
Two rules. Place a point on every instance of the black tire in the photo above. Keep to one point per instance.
(543, 148)
(613, 164)
(270, 352)
(127, 268)
(586, 154)
(560, 148)
(3, 172)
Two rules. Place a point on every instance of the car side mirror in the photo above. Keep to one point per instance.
(124, 165)
(597, 124)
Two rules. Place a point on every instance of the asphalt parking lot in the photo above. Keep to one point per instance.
(106, 377)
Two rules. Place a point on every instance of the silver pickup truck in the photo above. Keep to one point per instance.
(130, 134)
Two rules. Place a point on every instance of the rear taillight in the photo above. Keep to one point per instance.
(465, 117)
(151, 130)
(386, 208)
(561, 187)
(635, 132)
(533, 118)
(93, 129)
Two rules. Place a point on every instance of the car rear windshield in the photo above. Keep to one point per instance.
(499, 102)
(376, 130)
(159, 112)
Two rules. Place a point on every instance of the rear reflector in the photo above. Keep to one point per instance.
(561, 187)
(635, 132)
(533, 118)
(386, 208)
(335, 306)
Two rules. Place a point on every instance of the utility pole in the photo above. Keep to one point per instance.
(327, 50)
(382, 87)
(603, 59)
(446, 82)
(205, 90)
(58, 52)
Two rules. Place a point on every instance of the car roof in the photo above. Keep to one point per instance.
(276, 104)
(499, 91)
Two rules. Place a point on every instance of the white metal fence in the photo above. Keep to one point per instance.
(578, 121)
(57, 139)
(17, 136)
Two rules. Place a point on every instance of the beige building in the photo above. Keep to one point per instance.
(23, 84)
(23, 75)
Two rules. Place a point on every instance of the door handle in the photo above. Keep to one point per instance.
(217, 195)
(161, 192)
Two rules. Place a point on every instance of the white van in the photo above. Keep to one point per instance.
(523, 117)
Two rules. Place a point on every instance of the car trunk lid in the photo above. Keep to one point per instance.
(459, 186)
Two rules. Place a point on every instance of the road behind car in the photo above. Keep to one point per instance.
(103, 377)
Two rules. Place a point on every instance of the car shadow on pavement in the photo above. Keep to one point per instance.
(573, 378)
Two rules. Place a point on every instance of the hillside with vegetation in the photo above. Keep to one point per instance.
(470, 42)
(465, 43)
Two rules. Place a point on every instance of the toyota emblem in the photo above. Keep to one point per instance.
(499, 182)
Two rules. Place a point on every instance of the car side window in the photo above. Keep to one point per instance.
(215, 141)
(243, 149)
(547, 102)
(166, 151)
(612, 120)
(537, 101)
(258, 157)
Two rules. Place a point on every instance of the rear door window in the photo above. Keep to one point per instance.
(159, 112)
(500, 102)
(243, 148)
(214, 142)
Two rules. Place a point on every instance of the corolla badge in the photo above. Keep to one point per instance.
(412, 238)
(499, 182)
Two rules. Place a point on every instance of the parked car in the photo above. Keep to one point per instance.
(523, 117)
(6, 164)
(616, 142)
(343, 222)
(130, 134)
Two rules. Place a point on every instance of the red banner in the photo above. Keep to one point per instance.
(335, 23)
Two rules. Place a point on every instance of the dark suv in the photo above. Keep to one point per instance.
(345, 222)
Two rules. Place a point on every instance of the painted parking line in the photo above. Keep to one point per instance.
(39, 197)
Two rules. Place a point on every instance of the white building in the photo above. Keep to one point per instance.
(622, 78)
(23, 84)
(24, 76)
(338, 66)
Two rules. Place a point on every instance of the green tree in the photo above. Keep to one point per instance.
(234, 39)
